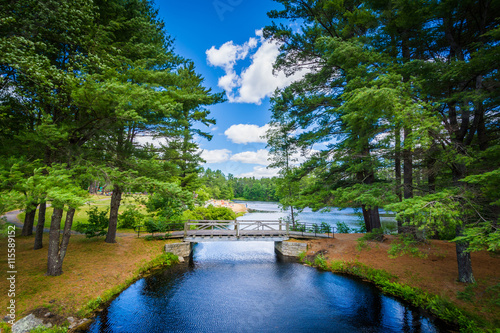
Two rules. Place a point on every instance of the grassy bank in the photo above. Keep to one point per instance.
(427, 281)
(94, 272)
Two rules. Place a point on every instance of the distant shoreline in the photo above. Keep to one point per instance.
(236, 207)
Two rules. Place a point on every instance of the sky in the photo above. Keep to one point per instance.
(224, 40)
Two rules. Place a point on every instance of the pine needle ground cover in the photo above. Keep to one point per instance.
(91, 269)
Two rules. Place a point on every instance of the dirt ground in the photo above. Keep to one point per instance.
(90, 268)
(436, 274)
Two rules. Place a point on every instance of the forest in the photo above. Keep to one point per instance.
(81, 83)
(397, 108)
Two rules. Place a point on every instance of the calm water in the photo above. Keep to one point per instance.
(245, 287)
(353, 219)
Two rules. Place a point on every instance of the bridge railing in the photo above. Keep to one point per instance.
(305, 229)
(235, 228)
(209, 227)
(243, 228)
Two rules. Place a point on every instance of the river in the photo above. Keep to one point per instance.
(245, 287)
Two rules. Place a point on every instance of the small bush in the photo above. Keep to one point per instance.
(406, 244)
(210, 213)
(298, 227)
(130, 218)
(343, 228)
(374, 235)
(154, 225)
(325, 228)
(96, 225)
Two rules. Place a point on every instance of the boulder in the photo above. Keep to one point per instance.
(28, 323)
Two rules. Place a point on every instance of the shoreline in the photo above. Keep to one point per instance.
(338, 255)
(236, 207)
(427, 282)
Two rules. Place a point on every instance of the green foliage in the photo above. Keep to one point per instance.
(96, 225)
(343, 228)
(209, 213)
(321, 262)
(4, 227)
(406, 244)
(130, 218)
(325, 228)
(169, 201)
(468, 294)
(375, 235)
(155, 225)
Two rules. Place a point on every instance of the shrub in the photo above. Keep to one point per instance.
(96, 224)
(130, 218)
(343, 228)
(210, 213)
(406, 244)
(154, 225)
(325, 228)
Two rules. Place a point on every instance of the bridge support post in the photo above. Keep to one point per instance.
(182, 250)
(289, 249)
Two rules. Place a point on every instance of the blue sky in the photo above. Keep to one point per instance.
(222, 38)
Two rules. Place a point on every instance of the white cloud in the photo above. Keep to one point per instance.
(252, 157)
(148, 139)
(244, 133)
(255, 82)
(216, 155)
(227, 55)
(260, 172)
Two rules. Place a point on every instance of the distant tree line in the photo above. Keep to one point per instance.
(216, 185)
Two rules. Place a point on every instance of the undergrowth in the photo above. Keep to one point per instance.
(406, 244)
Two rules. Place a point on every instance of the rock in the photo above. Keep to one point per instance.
(27, 324)
(48, 315)
(181, 259)
(71, 320)
(79, 324)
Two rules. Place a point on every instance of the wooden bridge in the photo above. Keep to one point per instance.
(234, 230)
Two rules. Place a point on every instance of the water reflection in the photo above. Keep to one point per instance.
(242, 287)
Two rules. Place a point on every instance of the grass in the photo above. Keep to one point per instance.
(92, 269)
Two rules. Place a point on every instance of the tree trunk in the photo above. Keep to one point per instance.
(293, 217)
(397, 171)
(54, 268)
(407, 167)
(397, 164)
(113, 214)
(371, 218)
(463, 259)
(57, 251)
(40, 226)
(29, 221)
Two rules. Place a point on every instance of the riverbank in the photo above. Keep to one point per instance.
(436, 273)
(94, 271)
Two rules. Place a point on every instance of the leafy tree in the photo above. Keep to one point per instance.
(390, 82)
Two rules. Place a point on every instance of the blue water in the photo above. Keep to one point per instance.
(245, 287)
(351, 217)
